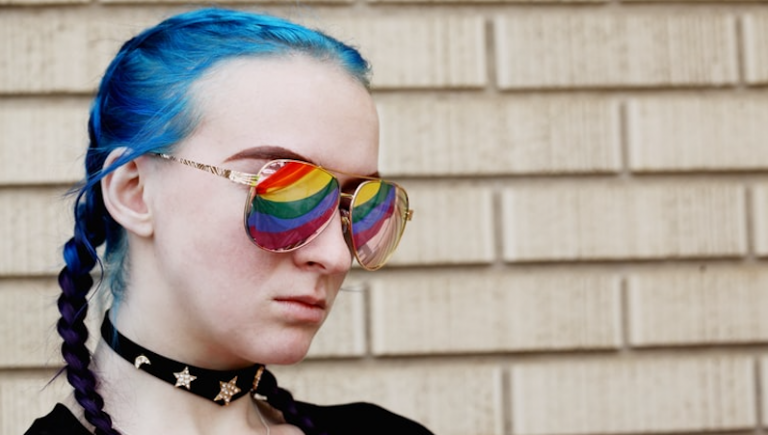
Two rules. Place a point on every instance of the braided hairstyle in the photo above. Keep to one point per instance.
(282, 399)
(144, 105)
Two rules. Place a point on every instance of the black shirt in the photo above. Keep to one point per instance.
(349, 419)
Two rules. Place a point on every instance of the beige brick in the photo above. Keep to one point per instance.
(760, 219)
(698, 133)
(462, 312)
(471, 135)
(23, 398)
(698, 306)
(343, 333)
(43, 140)
(224, 3)
(486, 1)
(763, 364)
(39, 2)
(634, 396)
(556, 50)
(452, 224)
(28, 335)
(68, 50)
(430, 393)
(755, 31)
(725, 2)
(419, 51)
(35, 224)
(63, 50)
(612, 221)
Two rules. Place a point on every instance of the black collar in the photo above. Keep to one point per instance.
(218, 386)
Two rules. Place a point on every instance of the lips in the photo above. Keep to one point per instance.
(304, 309)
(306, 300)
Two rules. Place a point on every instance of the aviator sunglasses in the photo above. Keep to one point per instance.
(291, 202)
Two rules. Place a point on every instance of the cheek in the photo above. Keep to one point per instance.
(202, 220)
(334, 288)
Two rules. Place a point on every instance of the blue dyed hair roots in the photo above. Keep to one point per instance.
(145, 104)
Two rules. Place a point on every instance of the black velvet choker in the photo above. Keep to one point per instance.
(219, 386)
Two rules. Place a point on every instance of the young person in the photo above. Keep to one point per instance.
(232, 176)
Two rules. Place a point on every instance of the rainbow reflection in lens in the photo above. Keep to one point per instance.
(292, 203)
(378, 219)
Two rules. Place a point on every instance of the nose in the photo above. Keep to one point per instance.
(328, 252)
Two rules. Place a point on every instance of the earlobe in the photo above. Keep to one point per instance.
(124, 195)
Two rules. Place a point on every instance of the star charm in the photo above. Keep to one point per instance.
(184, 379)
(228, 389)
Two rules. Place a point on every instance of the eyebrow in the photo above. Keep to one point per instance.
(272, 152)
(268, 152)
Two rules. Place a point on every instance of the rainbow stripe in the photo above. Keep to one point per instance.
(291, 206)
(375, 206)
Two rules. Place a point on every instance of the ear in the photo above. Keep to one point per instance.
(123, 190)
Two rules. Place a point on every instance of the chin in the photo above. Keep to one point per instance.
(289, 350)
(285, 358)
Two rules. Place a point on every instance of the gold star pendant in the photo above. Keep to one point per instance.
(184, 379)
(228, 389)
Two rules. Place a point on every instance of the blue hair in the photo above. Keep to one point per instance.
(145, 104)
(144, 100)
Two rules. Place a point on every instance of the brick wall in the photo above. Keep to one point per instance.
(589, 249)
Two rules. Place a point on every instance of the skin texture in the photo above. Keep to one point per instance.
(198, 289)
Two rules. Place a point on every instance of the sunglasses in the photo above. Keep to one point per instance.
(291, 202)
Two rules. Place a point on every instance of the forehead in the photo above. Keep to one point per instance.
(312, 108)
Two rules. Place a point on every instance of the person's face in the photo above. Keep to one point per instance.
(223, 294)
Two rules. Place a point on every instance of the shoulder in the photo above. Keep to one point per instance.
(360, 417)
(60, 421)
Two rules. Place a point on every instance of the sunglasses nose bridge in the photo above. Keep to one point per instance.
(346, 227)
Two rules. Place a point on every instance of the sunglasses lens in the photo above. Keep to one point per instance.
(290, 205)
(378, 216)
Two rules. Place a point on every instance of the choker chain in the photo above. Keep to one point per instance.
(218, 386)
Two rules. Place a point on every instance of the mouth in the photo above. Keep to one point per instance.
(303, 309)
(310, 301)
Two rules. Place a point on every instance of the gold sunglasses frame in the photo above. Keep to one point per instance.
(253, 179)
